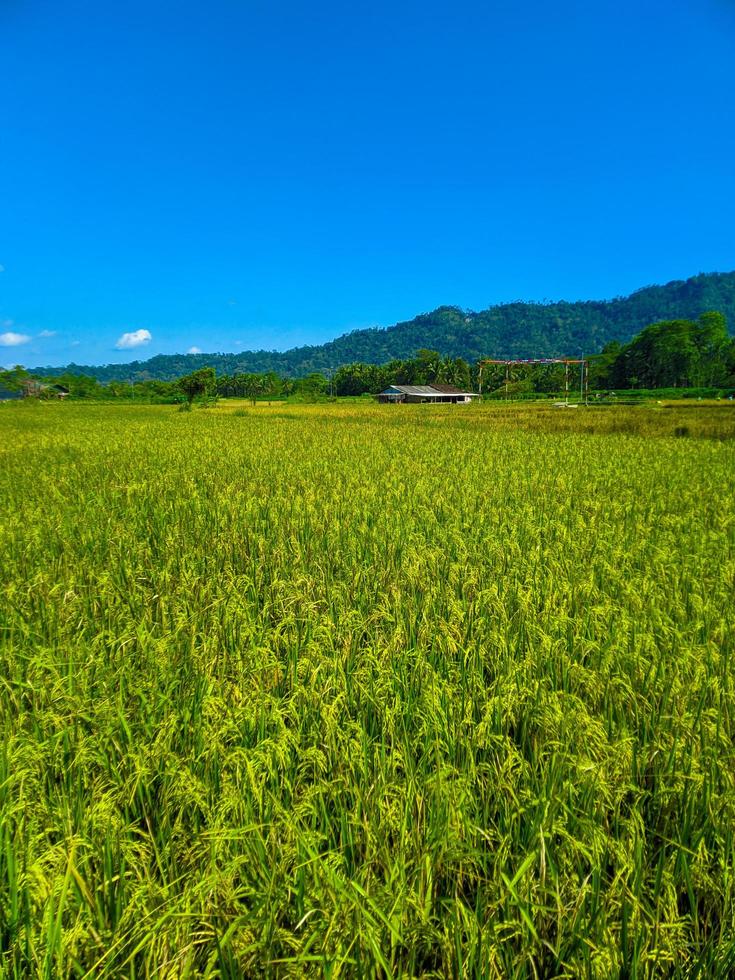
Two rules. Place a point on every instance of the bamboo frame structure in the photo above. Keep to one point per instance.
(566, 361)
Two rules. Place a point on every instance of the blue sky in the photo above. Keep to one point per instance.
(238, 175)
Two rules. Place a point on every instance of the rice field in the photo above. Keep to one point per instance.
(367, 691)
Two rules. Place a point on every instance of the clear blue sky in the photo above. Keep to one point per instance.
(230, 175)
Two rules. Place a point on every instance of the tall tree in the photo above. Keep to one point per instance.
(253, 386)
(198, 384)
(712, 341)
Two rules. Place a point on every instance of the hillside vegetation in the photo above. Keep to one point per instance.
(366, 691)
(692, 358)
(508, 330)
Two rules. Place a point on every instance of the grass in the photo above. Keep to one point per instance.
(702, 419)
(356, 690)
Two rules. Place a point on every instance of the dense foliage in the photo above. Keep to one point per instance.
(508, 330)
(670, 354)
(697, 354)
(427, 366)
(366, 691)
(198, 384)
(677, 353)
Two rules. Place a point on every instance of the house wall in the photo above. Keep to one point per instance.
(443, 399)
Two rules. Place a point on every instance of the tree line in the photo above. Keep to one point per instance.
(203, 383)
(668, 354)
(515, 329)
(671, 354)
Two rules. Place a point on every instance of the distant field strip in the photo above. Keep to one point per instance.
(361, 691)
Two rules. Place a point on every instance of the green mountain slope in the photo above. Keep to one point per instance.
(508, 330)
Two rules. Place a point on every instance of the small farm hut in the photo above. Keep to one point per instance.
(33, 388)
(427, 393)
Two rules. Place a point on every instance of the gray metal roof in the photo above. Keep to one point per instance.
(425, 390)
(416, 389)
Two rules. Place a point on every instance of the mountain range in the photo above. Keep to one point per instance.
(517, 329)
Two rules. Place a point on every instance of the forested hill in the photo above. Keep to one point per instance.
(508, 330)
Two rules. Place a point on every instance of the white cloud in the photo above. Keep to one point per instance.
(194, 350)
(75, 343)
(47, 333)
(2, 268)
(138, 338)
(11, 339)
